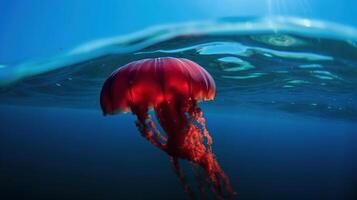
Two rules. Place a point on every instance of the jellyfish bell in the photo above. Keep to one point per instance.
(153, 81)
(171, 87)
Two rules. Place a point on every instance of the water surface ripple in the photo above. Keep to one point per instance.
(290, 64)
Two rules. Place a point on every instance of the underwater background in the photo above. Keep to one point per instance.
(284, 122)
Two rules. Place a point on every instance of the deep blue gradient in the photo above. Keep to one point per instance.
(67, 154)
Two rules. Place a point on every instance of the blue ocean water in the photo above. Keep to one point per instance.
(283, 123)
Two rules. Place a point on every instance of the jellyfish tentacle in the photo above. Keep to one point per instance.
(144, 124)
(156, 130)
(216, 174)
(208, 163)
(208, 160)
(193, 143)
(199, 118)
(200, 180)
(148, 135)
(180, 176)
(220, 173)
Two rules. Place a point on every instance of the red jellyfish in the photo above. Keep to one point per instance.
(171, 87)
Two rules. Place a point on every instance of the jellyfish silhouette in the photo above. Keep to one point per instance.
(171, 87)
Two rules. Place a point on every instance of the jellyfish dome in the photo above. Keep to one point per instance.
(172, 87)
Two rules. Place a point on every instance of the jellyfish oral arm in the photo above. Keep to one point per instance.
(149, 131)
